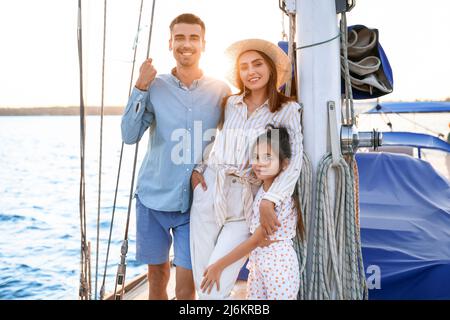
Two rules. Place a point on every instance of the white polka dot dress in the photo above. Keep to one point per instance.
(274, 272)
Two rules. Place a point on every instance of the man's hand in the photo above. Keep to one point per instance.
(197, 178)
(147, 74)
(268, 218)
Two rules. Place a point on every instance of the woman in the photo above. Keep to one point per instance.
(224, 189)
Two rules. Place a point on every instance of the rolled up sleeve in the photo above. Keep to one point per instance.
(137, 116)
(284, 184)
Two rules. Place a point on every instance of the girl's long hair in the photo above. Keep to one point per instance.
(276, 98)
(283, 148)
(300, 224)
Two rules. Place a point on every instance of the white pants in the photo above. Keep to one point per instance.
(210, 241)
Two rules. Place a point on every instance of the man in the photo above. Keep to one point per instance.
(173, 106)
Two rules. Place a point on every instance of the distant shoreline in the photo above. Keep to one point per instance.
(59, 111)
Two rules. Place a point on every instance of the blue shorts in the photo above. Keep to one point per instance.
(153, 236)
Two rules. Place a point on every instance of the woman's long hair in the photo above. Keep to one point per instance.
(276, 98)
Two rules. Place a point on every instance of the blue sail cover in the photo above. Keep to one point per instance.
(411, 107)
(405, 227)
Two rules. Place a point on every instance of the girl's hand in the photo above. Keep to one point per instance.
(197, 178)
(262, 240)
(211, 276)
(266, 242)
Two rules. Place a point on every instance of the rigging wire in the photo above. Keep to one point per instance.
(318, 43)
(121, 272)
(135, 47)
(101, 148)
(284, 36)
(84, 290)
(291, 51)
(350, 111)
(415, 123)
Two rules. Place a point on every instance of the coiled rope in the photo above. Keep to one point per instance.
(337, 266)
(304, 184)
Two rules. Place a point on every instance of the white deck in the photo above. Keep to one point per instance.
(137, 288)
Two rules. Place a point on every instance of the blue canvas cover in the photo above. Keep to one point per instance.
(405, 227)
(411, 107)
(284, 45)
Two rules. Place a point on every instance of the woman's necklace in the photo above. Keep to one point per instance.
(251, 106)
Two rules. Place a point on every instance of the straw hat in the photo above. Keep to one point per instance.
(279, 58)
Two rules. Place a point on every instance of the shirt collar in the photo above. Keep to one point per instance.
(180, 84)
(240, 100)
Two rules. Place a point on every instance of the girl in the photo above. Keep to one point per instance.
(274, 272)
(223, 192)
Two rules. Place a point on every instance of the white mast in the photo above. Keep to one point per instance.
(318, 68)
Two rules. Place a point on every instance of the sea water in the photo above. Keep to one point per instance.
(39, 204)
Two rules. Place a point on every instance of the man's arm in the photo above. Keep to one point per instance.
(139, 114)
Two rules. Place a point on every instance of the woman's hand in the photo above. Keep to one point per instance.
(268, 218)
(211, 276)
(197, 178)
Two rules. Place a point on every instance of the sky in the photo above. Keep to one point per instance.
(39, 59)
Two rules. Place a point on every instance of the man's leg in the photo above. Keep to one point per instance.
(184, 289)
(153, 241)
(158, 278)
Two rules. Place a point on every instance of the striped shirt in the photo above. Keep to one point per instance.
(233, 144)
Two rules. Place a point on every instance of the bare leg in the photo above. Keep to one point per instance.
(185, 289)
(158, 278)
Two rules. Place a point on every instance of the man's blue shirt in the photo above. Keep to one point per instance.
(181, 120)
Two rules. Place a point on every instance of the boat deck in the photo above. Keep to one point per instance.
(137, 289)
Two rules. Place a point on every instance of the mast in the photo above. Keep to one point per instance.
(319, 73)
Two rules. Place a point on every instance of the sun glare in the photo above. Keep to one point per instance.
(214, 63)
